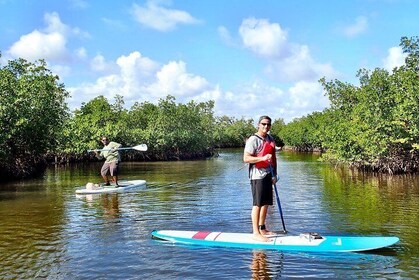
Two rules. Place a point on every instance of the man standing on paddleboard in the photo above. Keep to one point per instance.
(112, 159)
(259, 152)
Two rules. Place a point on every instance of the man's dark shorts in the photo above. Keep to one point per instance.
(262, 191)
(112, 167)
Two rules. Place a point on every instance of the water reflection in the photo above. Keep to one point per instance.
(110, 205)
(261, 268)
(373, 204)
(30, 234)
(106, 205)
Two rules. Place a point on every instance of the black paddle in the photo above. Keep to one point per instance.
(277, 200)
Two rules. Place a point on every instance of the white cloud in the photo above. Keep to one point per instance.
(49, 44)
(135, 66)
(162, 19)
(264, 38)
(249, 100)
(139, 78)
(116, 24)
(135, 73)
(63, 70)
(286, 61)
(225, 35)
(79, 4)
(37, 45)
(81, 53)
(99, 64)
(299, 66)
(395, 58)
(54, 24)
(358, 27)
(173, 79)
(307, 97)
(257, 98)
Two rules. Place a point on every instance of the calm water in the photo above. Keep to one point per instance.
(48, 232)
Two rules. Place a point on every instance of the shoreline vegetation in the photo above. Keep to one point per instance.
(373, 126)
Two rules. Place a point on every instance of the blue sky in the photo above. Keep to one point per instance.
(251, 57)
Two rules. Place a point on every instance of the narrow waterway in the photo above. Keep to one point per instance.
(48, 232)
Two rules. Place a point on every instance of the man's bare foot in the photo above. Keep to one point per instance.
(267, 232)
(260, 237)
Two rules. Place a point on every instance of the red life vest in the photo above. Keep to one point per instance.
(268, 147)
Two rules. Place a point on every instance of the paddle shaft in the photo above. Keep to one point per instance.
(101, 150)
(142, 147)
(119, 149)
(277, 199)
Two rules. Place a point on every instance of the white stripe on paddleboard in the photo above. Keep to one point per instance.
(213, 236)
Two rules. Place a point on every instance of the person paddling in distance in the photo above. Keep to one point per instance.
(259, 152)
(112, 159)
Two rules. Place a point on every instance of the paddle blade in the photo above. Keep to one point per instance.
(142, 147)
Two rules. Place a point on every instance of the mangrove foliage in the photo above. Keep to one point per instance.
(374, 125)
(32, 115)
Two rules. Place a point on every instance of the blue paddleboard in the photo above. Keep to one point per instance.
(305, 242)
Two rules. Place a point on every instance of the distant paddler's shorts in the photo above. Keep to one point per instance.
(262, 191)
(111, 167)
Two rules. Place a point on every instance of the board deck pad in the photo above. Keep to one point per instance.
(123, 187)
(309, 242)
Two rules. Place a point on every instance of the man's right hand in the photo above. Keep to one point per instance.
(267, 157)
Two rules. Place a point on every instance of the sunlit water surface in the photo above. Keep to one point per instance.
(48, 232)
